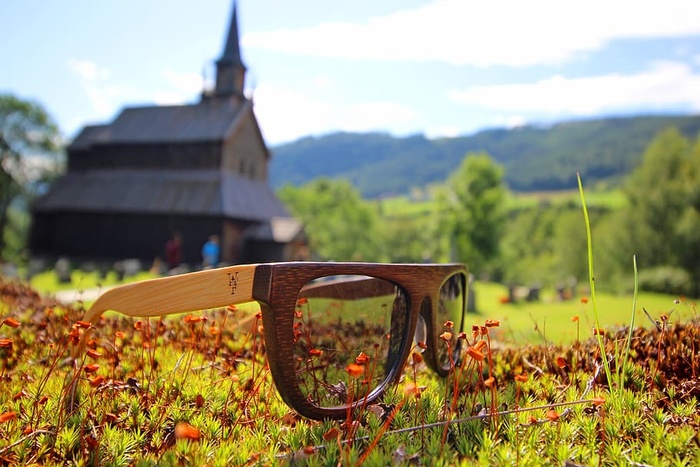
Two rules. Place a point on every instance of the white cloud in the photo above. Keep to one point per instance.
(374, 116)
(87, 70)
(285, 115)
(506, 32)
(186, 82)
(449, 131)
(107, 98)
(183, 85)
(664, 84)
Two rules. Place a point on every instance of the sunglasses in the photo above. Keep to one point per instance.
(337, 335)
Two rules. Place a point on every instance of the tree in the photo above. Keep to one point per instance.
(474, 211)
(661, 224)
(29, 149)
(341, 225)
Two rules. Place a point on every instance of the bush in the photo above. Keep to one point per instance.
(666, 279)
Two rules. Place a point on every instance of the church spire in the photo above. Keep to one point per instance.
(230, 70)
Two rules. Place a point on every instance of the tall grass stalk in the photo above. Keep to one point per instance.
(634, 312)
(591, 281)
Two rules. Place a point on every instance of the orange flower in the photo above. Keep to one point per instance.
(411, 389)
(492, 323)
(94, 354)
(232, 308)
(598, 331)
(355, 370)
(315, 352)
(308, 450)
(83, 324)
(11, 322)
(417, 358)
(422, 345)
(97, 380)
(446, 336)
(302, 301)
(449, 324)
(362, 359)
(7, 416)
(552, 416)
(5, 343)
(92, 368)
(189, 319)
(214, 331)
(483, 330)
(331, 434)
(574, 319)
(137, 325)
(521, 378)
(598, 401)
(480, 345)
(184, 430)
(561, 362)
(119, 335)
(475, 354)
(503, 300)
(584, 300)
(489, 382)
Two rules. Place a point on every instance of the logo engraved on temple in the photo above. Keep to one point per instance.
(233, 282)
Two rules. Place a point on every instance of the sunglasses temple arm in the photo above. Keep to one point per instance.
(213, 288)
(350, 288)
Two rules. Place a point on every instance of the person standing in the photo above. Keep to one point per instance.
(173, 251)
(210, 252)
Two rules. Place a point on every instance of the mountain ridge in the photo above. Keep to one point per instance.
(534, 157)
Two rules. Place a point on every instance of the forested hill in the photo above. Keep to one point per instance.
(534, 158)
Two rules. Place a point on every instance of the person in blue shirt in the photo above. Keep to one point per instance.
(210, 252)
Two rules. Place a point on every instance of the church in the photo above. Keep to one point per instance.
(194, 170)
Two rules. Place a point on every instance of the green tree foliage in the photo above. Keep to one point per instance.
(29, 149)
(546, 245)
(341, 225)
(661, 224)
(474, 212)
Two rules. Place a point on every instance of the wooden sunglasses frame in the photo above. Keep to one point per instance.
(275, 287)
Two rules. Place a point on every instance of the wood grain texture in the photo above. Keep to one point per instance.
(200, 290)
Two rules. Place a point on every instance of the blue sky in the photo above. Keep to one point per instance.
(437, 67)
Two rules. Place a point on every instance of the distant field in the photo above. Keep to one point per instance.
(553, 317)
(403, 206)
(611, 199)
(47, 281)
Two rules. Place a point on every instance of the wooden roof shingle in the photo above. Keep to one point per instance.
(194, 192)
(209, 120)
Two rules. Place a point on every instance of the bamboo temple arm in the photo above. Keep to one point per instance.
(200, 290)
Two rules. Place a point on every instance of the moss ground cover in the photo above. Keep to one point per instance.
(195, 390)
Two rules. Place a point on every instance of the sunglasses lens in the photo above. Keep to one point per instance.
(452, 300)
(348, 333)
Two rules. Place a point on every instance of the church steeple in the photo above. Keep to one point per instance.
(230, 70)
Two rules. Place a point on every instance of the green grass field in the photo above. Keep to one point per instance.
(526, 323)
(47, 282)
(196, 390)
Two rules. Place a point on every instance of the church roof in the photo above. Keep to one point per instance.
(209, 120)
(193, 192)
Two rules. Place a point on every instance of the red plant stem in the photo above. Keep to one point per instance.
(382, 430)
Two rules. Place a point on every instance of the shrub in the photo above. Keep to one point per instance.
(666, 279)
